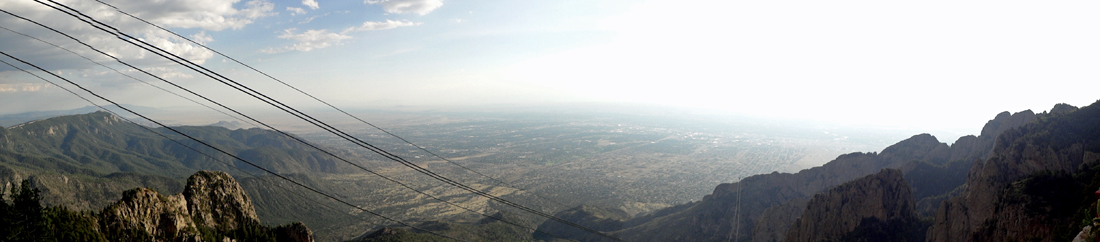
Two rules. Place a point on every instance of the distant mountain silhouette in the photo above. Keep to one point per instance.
(8, 120)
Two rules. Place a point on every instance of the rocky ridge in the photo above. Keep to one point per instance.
(771, 202)
(1063, 143)
(212, 207)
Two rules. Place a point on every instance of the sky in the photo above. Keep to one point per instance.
(935, 64)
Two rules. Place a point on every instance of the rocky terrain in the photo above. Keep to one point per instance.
(884, 196)
(1026, 176)
(213, 207)
(1006, 196)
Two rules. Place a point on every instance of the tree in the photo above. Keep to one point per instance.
(24, 219)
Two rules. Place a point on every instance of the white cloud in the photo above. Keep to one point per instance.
(212, 15)
(23, 87)
(202, 38)
(166, 72)
(421, 7)
(308, 40)
(312, 4)
(311, 18)
(295, 11)
(204, 15)
(321, 38)
(388, 24)
(258, 8)
(177, 46)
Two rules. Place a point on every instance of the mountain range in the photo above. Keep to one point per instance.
(991, 187)
(1026, 176)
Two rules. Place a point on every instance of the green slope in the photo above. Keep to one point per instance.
(84, 161)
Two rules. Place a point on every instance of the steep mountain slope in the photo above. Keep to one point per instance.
(995, 205)
(774, 200)
(829, 216)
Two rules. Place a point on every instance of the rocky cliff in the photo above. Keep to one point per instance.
(213, 207)
(995, 203)
(771, 202)
(884, 196)
(217, 201)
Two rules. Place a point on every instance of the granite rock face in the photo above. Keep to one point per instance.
(774, 223)
(212, 200)
(884, 196)
(216, 200)
(165, 218)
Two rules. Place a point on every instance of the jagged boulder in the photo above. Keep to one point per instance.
(216, 200)
(212, 207)
(144, 214)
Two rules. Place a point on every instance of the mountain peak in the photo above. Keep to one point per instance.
(211, 201)
(216, 199)
(921, 147)
(1062, 108)
(1005, 121)
(51, 125)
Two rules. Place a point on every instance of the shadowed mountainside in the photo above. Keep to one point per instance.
(770, 203)
(1038, 179)
(858, 205)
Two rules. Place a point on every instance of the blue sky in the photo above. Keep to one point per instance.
(944, 64)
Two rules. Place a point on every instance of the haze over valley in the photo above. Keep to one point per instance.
(574, 120)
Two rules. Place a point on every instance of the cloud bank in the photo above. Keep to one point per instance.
(204, 15)
(421, 7)
(312, 4)
(322, 38)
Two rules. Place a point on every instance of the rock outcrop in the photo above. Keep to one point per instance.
(884, 196)
(211, 206)
(775, 221)
(216, 200)
(144, 214)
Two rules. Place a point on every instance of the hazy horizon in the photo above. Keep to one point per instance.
(935, 65)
